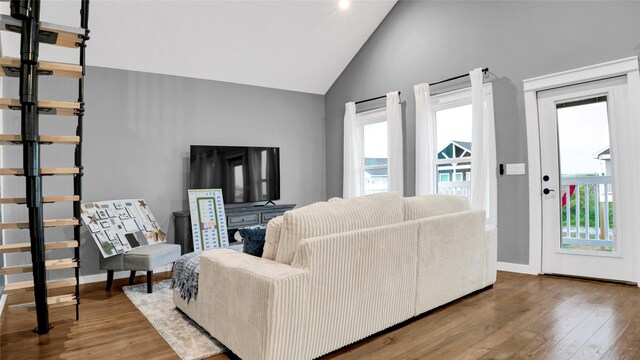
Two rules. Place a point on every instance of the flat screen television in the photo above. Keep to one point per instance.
(246, 174)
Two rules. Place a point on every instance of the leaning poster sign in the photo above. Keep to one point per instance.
(118, 226)
(208, 221)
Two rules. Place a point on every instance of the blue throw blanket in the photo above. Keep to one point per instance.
(185, 275)
(186, 271)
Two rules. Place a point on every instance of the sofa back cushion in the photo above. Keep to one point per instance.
(420, 207)
(333, 217)
(272, 238)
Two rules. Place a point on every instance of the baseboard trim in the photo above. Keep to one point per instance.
(3, 300)
(515, 268)
(94, 278)
(88, 279)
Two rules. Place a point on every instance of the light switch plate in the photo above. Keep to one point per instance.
(515, 169)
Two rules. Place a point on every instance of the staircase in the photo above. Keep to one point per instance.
(25, 20)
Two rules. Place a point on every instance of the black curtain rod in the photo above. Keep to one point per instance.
(485, 70)
(375, 98)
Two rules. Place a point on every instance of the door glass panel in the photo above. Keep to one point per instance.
(586, 197)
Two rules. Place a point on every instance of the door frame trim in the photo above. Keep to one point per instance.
(624, 67)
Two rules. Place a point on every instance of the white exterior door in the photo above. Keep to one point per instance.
(587, 179)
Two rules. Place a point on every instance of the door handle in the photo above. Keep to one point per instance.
(546, 191)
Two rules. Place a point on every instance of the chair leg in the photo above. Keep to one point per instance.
(109, 279)
(132, 276)
(149, 282)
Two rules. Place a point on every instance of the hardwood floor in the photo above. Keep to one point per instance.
(523, 316)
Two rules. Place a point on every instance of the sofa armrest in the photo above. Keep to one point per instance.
(256, 307)
(451, 258)
(491, 259)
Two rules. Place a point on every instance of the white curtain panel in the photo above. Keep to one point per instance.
(352, 157)
(394, 134)
(425, 141)
(483, 140)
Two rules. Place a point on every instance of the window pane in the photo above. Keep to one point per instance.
(375, 181)
(453, 124)
(238, 180)
(263, 162)
(453, 127)
(375, 144)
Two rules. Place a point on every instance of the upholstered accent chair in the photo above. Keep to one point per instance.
(143, 258)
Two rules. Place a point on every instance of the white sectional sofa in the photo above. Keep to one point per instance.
(335, 272)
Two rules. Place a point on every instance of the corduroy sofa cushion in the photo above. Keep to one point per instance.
(334, 217)
(272, 238)
(420, 207)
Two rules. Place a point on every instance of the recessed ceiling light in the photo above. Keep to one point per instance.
(344, 4)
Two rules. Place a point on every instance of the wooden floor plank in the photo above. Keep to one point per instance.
(576, 338)
(422, 337)
(603, 339)
(523, 316)
(477, 327)
(531, 309)
(628, 344)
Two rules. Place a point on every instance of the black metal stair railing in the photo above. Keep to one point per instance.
(27, 12)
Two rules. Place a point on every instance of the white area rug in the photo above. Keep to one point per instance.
(187, 338)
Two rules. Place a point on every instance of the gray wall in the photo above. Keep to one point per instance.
(138, 128)
(424, 41)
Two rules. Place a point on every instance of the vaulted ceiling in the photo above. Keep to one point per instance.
(292, 45)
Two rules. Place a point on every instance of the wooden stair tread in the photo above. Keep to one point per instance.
(46, 107)
(52, 302)
(52, 34)
(49, 264)
(47, 223)
(27, 286)
(10, 67)
(26, 247)
(45, 199)
(15, 139)
(43, 171)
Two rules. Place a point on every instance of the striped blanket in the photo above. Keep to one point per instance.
(186, 271)
(185, 275)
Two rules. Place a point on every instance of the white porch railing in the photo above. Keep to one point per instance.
(461, 188)
(592, 202)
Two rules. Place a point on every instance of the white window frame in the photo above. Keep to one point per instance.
(457, 98)
(367, 118)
